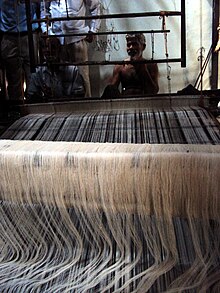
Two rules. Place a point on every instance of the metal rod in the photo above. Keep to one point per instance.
(198, 80)
(215, 56)
(172, 60)
(123, 15)
(30, 35)
(183, 33)
(109, 33)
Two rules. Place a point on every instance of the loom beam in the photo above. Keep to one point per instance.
(123, 177)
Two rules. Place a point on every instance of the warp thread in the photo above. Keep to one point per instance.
(93, 217)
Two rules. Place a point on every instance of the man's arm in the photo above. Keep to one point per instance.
(148, 74)
(111, 90)
(94, 9)
(34, 90)
(44, 12)
(152, 70)
(116, 78)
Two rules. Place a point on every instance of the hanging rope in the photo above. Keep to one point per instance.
(204, 66)
(201, 57)
(152, 45)
(67, 12)
(166, 53)
(110, 42)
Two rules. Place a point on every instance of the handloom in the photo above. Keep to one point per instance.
(111, 201)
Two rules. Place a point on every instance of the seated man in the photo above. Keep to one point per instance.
(135, 78)
(54, 81)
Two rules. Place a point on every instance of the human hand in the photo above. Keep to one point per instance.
(89, 37)
(47, 91)
(217, 48)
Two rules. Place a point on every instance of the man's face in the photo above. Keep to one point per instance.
(134, 47)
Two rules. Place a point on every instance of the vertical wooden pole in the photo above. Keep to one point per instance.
(215, 58)
(183, 33)
(30, 35)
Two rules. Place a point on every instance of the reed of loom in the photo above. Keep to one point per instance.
(114, 191)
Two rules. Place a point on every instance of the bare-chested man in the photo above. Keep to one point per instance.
(136, 78)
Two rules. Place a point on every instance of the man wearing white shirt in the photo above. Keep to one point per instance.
(75, 47)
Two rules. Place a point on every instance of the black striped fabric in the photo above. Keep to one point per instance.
(189, 125)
